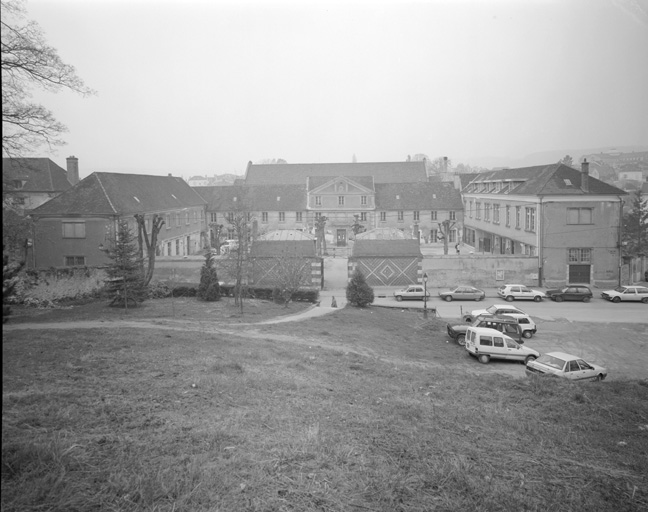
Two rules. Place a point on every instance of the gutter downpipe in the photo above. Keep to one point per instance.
(541, 244)
(620, 237)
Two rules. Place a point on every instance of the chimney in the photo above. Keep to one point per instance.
(72, 169)
(585, 176)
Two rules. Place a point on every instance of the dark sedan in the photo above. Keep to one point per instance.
(462, 293)
(580, 293)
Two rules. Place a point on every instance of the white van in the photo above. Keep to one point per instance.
(484, 343)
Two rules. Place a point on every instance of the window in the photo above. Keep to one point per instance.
(187, 217)
(74, 230)
(318, 200)
(487, 209)
(167, 221)
(363, 200)
(579, 216)
(282, 216)
(298, 216)
(470, 208)
(433, 215)
(517, 217)
(213, 217)
(75, 261)
(230, 217)
(177, 219)
(434, 235)
(416, 216)
(363, 216)
(383, 216)
(508, 215)
(177, 244)
(340, 200)
(579, 255)
(168, 248)
(400, 215)
(453, 215)
(529, 219)
(264, 217)
(498, 342)
(478, 210)
(496, 214)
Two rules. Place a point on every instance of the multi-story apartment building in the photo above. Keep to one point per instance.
(564, 217)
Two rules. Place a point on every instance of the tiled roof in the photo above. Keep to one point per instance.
(104, 193)
(553, 179)
(259, 198)
(418, 196)
(283, 249)
(386, 248)
(382, 172)
(317, 181)
(40, 174)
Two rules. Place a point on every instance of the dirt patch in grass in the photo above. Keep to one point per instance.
(359, 410)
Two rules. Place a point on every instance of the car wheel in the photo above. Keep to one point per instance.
(527, 334)
(616, 300)
(529, 358)
(448, 298)
(461, 340)
(509, 298)
(399, 298)
(468, 319)
(537, 298)
(586, 299)
(558, 298)
(483, 358)
(645, 300)
(600, 377)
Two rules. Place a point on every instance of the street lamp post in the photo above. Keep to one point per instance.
(425, 278)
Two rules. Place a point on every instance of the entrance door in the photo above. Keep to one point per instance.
(341, 237)
(487, 245)
(579, 273)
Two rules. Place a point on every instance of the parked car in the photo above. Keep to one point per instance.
(627, 294)
(582, 293)
(528, 326)
(504, 324)
(484, 344)
(412, 292)
(566, 366)
(462, 293)
(512, 292)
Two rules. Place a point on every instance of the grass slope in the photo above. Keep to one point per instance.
(360, 410)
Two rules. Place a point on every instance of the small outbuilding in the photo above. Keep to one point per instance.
(387, 262)
(275, 261)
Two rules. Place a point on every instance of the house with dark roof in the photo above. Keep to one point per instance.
(562, 216)
(73, 228)
(379, 195)
(29, 182)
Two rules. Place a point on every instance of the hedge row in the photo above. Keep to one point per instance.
(251, 292)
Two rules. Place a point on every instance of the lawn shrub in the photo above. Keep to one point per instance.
(35, 288)
(358, 292)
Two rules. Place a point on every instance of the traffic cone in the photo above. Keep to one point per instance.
(333, 303)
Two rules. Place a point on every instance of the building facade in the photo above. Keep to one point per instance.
(568, 220)
(76, 227)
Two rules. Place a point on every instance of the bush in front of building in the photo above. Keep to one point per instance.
(358, 292)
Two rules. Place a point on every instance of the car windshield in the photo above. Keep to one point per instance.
(492, 310)
(554, 362)
(620, 289)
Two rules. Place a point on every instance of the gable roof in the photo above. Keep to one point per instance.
(283, 249)
(105, 193)
(39, 174)
(553, 179)
(386, 248)
(382, 172)
(418, 196)
(255, 198)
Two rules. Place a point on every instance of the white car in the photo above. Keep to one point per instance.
(567, 366)
(486, 344)
(512, 292)
(412, 292)
(627, 294)
(527, 325)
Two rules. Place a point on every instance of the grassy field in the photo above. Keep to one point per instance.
(182, 406)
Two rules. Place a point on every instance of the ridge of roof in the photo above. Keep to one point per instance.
(103, 189)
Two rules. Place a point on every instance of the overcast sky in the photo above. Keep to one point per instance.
(202, 87)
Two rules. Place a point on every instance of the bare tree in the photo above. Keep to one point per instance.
(292, 272)
(445, 228)
(320, 233)
(150, 242)
(29, 62)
